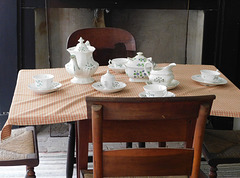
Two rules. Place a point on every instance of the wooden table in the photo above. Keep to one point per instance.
(68, 103)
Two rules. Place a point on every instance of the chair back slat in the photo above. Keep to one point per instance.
(143, 162)
(145, 131)
(143, 109)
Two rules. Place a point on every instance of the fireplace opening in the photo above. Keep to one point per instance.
(165, 35)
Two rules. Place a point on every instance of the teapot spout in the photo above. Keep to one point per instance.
(76, 68)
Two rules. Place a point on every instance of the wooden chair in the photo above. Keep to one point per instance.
(148, 120)
(109, 43)
(20, 149)
(221, 147)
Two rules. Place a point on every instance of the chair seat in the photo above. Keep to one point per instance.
(89, 174)
(222, 144)
(19, 145)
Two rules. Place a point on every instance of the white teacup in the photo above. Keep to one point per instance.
(210, 75)
(155, 90)
(118, 62)
(108, 80)
(43, 81)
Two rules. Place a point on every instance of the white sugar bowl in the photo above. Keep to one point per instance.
(135, 68)
(108, 80)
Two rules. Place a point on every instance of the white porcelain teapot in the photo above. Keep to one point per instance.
(161, 75)
(82, 65)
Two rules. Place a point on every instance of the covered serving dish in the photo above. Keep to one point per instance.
(135, 68)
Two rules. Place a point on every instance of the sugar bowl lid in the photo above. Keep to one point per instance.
(108, 76)
(138, 61)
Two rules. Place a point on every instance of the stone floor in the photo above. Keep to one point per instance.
(50, 144)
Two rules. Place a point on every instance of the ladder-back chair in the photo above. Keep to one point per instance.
(221, 147)
(180, 119)
(109, 43)
(20, 149)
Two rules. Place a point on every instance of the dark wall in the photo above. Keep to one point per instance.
(8, 52)
(221, 45)
(229, 56)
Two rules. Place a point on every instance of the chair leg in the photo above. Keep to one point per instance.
(129, 145)
(30, 172)
(213, 172)
(162, 144)
(141, 144)
(71, 148)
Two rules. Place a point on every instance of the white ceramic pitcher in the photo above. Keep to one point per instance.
(161, 75)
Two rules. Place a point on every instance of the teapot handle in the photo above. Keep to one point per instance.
(145, 67)
(149, 59)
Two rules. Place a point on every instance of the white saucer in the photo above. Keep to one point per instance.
(55, 87)
(169, 94)
(116, 69)
(173, 84)
(198, 78)
(118, 86)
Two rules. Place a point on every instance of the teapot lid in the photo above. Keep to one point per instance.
(138, 61)
(81, 46)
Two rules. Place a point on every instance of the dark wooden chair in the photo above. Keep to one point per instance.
(148, 120)
(20, 149)
(221, 147)
(109, 43)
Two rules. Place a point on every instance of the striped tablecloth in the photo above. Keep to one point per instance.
(68, 103)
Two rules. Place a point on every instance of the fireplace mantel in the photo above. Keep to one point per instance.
(132, 4)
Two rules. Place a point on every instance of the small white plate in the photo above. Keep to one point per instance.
(173, 84)
(55, 87)
(198, 78)
(169, 94)
(118, 86)
(116, 69)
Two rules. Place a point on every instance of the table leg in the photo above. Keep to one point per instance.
(83, 131)
(70, 152)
